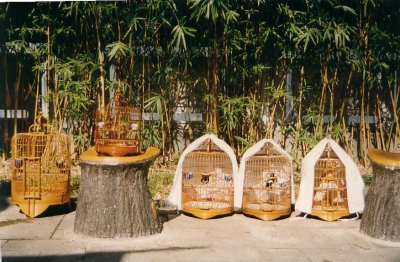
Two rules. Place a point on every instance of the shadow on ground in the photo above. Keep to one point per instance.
(94, 256)
(57, 210)
(5, 192)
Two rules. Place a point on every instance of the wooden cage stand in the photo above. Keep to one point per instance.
(114, 199)
(382, 204)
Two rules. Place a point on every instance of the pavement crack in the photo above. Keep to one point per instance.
(365, 248)
(55, 229)
(3, 243)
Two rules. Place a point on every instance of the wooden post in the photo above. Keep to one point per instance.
(114, 199)
(382, 204)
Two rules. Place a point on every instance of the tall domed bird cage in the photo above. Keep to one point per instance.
(330, 190)
(331, 185)
(40, 167)
(207, 182)
(267, 186)
(118, 128)
(207, 178)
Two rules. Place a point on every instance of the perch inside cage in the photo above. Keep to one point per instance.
(40, 166)
(118, 128)
(330, 190)
(267, 187)
(207, 182)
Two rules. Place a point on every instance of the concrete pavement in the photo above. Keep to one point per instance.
(184, 238)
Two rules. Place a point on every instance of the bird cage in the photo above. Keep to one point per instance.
(331, 185)
(40, 167)
(267, 186)
(118, 128)
(207, 181)
(330, 190)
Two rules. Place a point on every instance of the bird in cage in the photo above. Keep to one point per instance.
(189, 175)
(282, 179)
(60, 163)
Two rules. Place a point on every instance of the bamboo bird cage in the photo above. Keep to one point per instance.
(40, 166)
(267, 184)
(118, 128)
(330, 190)
(207, 182)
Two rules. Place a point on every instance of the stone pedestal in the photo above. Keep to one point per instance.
(114, 199)
(381, 217)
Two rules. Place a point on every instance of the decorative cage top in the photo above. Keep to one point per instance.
(41, 140)
(118, 128)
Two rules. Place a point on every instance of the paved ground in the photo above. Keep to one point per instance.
(232, 238)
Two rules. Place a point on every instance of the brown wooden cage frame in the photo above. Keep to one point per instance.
(118, 128)
(267, 192)
(40, 167)
(330, 199)
(207, 182)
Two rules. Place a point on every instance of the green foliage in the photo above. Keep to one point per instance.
(246, 145)
(75, 183)
(226, 59)
(179, 32)
(160, 182)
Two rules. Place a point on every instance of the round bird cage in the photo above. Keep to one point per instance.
(40, 167)
(330, 190)
(267, 184)
(207, 182)
(118, 128)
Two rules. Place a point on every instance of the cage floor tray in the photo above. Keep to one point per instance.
(266, 211)
(207, 209)
(330, 214)
(117, 151)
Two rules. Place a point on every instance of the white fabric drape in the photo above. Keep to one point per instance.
(354, 182)
(251, 152)
(175, 196)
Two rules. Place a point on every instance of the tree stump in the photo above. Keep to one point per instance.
(381, 218)
(114, 199)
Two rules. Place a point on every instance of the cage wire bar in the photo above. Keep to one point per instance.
(40, 167)
(118, 128)
(207, 182)
(330, 190)
(267, 184)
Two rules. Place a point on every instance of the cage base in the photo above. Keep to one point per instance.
(205, 212)
(33, 207)
(117, 151)
(330, 215)
(266, 214)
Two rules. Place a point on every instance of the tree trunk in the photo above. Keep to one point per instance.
(382, 204)
(114, 199)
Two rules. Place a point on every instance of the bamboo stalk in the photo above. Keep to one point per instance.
(100, 56)
(396, 117)
(381, 131)
(16, 95)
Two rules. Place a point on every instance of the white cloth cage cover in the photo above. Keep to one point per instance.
(175, 196)
(239, 183)
(354, 182)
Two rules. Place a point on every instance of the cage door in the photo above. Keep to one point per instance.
(32, 178)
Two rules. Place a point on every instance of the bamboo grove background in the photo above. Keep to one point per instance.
(229, 60)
